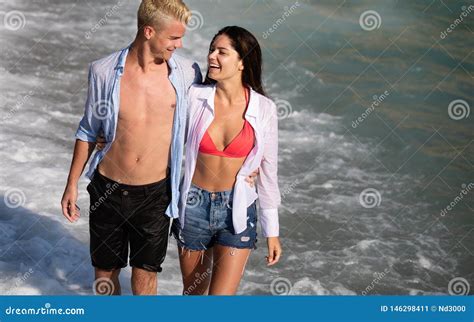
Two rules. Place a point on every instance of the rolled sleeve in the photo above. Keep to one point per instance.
(270, 222)
(89, 126)
(267, 181)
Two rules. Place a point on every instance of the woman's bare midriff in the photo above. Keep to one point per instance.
(216, 173)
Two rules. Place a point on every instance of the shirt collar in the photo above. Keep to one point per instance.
(208, 94)
(123, 57)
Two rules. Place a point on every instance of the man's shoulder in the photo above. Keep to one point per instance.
(190, 68)
(105, 66)
(184, 62)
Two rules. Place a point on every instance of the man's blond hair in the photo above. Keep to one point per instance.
(155, 12)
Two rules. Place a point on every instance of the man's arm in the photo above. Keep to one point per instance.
(86, 134)
(82, 153)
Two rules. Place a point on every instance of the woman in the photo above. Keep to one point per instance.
(233, 130)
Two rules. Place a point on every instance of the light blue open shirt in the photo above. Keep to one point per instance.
(102, 109)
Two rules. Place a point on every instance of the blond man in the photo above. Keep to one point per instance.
(137, 99)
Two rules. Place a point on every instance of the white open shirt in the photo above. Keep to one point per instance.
(262, 115)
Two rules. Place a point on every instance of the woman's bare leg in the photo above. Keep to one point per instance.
(228, 268)
(196, 270)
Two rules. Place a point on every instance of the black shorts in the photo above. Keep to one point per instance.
(121, 215)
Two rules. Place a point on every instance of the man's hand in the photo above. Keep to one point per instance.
(252, 177)
(68, 204)
(274, 250)
(100, 142)
(82, 153)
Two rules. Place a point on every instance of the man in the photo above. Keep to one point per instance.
(137, 98)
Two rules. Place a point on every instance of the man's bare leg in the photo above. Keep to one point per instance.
(107, 282)
(144, 282)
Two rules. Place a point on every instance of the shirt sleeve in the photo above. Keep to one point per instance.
(90, 124)
(189, 101)
(197, 74)
(267, 181)
(197, 80)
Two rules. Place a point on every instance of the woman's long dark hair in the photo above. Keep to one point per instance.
(249, 51)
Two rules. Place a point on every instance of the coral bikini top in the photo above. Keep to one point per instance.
(239, 147)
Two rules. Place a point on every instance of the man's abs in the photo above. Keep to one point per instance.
(137, 157)
(141, 150)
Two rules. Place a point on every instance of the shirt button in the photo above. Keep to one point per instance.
(125, 193)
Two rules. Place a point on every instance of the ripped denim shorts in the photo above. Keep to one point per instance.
(208, 221)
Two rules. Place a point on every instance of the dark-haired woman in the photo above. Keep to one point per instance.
(232, 130)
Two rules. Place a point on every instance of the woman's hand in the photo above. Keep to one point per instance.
(252, 178)
(274, 250)
(100, 142)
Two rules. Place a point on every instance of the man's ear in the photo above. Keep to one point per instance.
(148, 32)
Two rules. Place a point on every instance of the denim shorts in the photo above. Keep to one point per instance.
(208, 221)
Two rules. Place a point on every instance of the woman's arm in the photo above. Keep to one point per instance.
(267, 186)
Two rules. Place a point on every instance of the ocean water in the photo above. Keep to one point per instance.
(375, 141)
